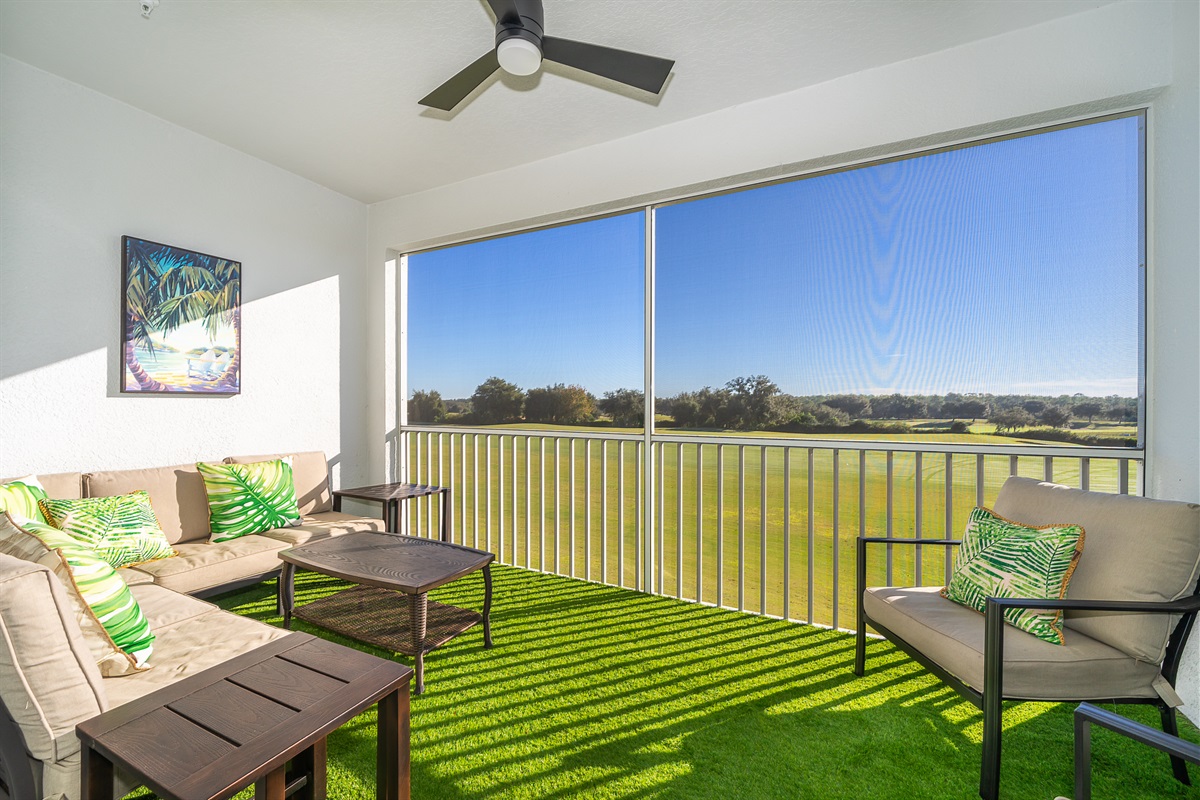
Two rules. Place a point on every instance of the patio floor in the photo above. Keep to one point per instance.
(598, 692)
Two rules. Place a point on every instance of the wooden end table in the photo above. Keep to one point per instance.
(208, 736)
(389, 608)
(391, 495)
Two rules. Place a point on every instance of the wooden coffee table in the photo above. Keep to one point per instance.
(240, 723)
(389, 607)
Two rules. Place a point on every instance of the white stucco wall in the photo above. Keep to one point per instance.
(78, 170)
(1112, 57)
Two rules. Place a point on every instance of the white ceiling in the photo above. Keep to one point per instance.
(329, 90)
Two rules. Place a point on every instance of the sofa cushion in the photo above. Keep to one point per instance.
(192, 636)
(112, 625)
(1137, 549)
(203, 565)
(311, 472)
(314, 527)
(952, 635)
(121, 529)
(20, 498)
(48, 679)
(176, 493)
(58, 484)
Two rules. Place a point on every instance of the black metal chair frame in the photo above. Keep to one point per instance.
(1087, 714)
(990, 700)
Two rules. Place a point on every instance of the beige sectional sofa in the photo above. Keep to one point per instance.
(48, 681)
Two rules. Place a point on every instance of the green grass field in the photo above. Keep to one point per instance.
(572, 507)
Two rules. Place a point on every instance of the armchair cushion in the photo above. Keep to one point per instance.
(953, 636)
(1138, 549)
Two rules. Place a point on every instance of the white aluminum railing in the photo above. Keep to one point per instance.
(761, 524)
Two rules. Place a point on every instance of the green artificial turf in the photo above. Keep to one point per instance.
(598, 692)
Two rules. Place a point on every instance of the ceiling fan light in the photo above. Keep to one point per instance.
(518, 56)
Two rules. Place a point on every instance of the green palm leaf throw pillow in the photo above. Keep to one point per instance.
(250, 498)
(113, 626)
(1001, 558)
(20, 499)
(121, 529)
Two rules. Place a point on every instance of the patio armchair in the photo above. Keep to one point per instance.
(1128, 610)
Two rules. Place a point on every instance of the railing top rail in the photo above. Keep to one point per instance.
(875, 445)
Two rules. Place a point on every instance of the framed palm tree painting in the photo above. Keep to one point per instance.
(182, 314)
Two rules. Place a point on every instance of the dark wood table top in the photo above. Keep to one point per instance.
(391, 491)
(389, 561)
(211, 733)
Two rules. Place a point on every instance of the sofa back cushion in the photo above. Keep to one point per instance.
(1136, 549)
(63, 485)
(311, 472)
(176, 494)
(48, 680)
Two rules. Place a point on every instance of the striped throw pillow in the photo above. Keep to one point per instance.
(113, 626)
(121, 529)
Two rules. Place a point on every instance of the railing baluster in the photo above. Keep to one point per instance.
(441, 477)
(762, 533)
(452, 489)
(417, 506)
(557, 509)
(621, 514)
(891, 484)
(679, 521)
(1123, 476)
(812, 533)
(462, 494)
(1085, 478)
(1014, 466)
(604, 511)
(641, 532)
(741, 528)
(659, 540)
(516, 504)
(587, 509)
(571, 505)
(919, 484)
(500, 494)
(488, 455)
(428, 479)
(475, 516)
(1048, 469)
(787, 532)
(541, 504)
(949, 554)
(837, 545)
(699, 523)
(720, 525)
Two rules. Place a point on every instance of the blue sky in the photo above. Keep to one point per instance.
(1006, 268)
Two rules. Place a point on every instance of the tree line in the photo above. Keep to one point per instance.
(755, 402)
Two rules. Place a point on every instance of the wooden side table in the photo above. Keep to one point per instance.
(208, 736)
(391, 494)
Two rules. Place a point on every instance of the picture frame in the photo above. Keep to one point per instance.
(181, 320)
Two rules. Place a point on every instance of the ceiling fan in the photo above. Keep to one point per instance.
(521, 45)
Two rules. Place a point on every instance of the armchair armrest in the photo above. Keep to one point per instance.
(886, 540)
(1182, 606)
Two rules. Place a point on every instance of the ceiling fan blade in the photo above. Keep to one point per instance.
(633, 69)
(504, 8)
(452, 92)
